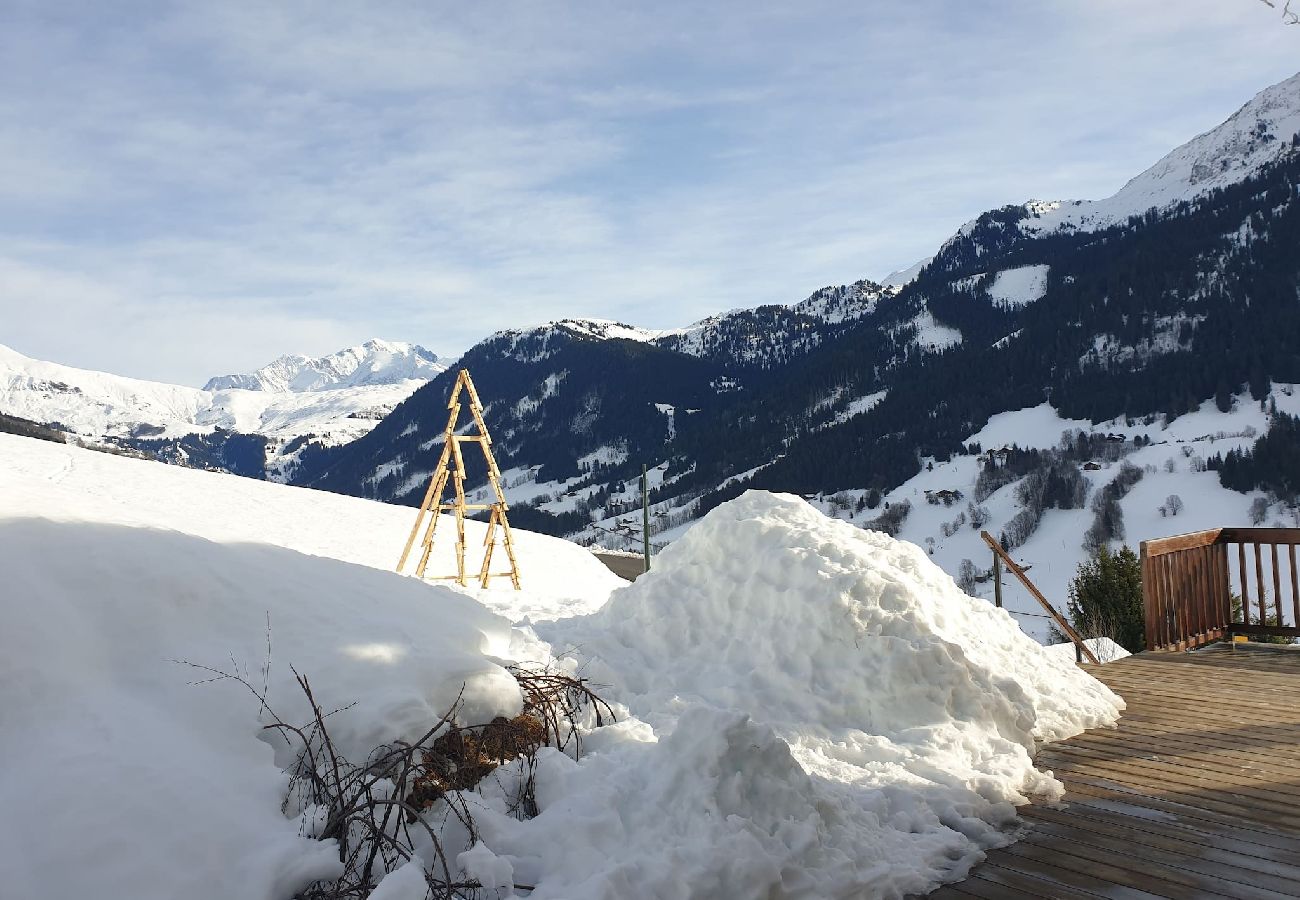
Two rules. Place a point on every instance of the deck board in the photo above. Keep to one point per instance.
(1195, 794)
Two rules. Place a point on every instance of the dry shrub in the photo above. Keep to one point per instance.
(381, 811)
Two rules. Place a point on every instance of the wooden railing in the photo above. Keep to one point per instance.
(1000, 558)
(1210, 585)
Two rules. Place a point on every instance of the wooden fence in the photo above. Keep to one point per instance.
(1209, 585)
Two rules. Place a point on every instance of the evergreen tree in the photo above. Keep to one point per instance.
(1106, 598)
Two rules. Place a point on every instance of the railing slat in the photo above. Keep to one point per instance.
(1196, 594)
(1245, 586)
(1224, 585)
(1187, 586)
(1295, 589)
(1259, 583)
(1148, 606)
(1277, 586)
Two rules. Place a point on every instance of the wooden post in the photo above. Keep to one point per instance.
(997, 581)
(1066, 628)
(645, 516)
(451, 467)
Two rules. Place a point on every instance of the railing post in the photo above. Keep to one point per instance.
(1148, 596)
(997, 581)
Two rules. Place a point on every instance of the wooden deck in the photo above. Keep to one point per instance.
(1195, 794)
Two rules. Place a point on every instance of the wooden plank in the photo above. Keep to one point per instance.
(1259, 583)
(1279, 630)
(1260, 535)
(1265, 700)
(1277, 586)
(1107, 796)
(1251, 802)
(1174, 861)
(1188, 541)
(1190, 805)
(1087, 873)
(1161, 865)
(1282, 764)
(1141, 827)
(1245, 587)
(1223, 773)
(1004, 874)
(1266, 761)
(1066, 628)
(1149, 603)
(1295, 588)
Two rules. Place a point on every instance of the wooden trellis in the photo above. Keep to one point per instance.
(451, 467)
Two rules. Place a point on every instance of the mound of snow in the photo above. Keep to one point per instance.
(806, 709)
(160, 784)
(120, 777)
(1103, 648)
(831, 678)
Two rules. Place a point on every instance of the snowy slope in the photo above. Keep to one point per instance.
(1225, 155)
(366, 386)
(162, 786)
(1055, 549)
(163, 789)
(375, 362)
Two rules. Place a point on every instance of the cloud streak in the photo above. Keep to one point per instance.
(192, 188)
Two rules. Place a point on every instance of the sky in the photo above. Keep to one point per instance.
(192, 189)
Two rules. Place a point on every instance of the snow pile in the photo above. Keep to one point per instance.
(163, 787)
(807, 709)
(837, 718)
(1103, 648)
(122, 779)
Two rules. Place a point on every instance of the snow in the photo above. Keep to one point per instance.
(1037, 427)
(1055, 549)
(374, 362)
(1020, 286)
(1225, 155)
(932, 334)
(667, 409)
(806, 709)
(143, 785)
(856, 407)
(98, 405)
(838, 304)
(1103, 648)
(904, 277)
(866, 737)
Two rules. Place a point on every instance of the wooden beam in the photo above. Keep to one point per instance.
(1066, 628)
(1161, 546)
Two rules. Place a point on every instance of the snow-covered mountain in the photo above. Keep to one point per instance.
(1140, 315)
(1251, 138)
(375, 362)
(325, 402)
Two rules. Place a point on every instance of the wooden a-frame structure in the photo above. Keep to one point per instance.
(451, 466)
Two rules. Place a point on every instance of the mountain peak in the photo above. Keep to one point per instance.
(1250, 138)
(373, 362)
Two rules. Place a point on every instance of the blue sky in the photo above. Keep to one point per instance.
(191, 189)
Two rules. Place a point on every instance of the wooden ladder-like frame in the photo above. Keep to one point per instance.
(451, 466)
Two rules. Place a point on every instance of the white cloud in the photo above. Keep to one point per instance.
(194, 188)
